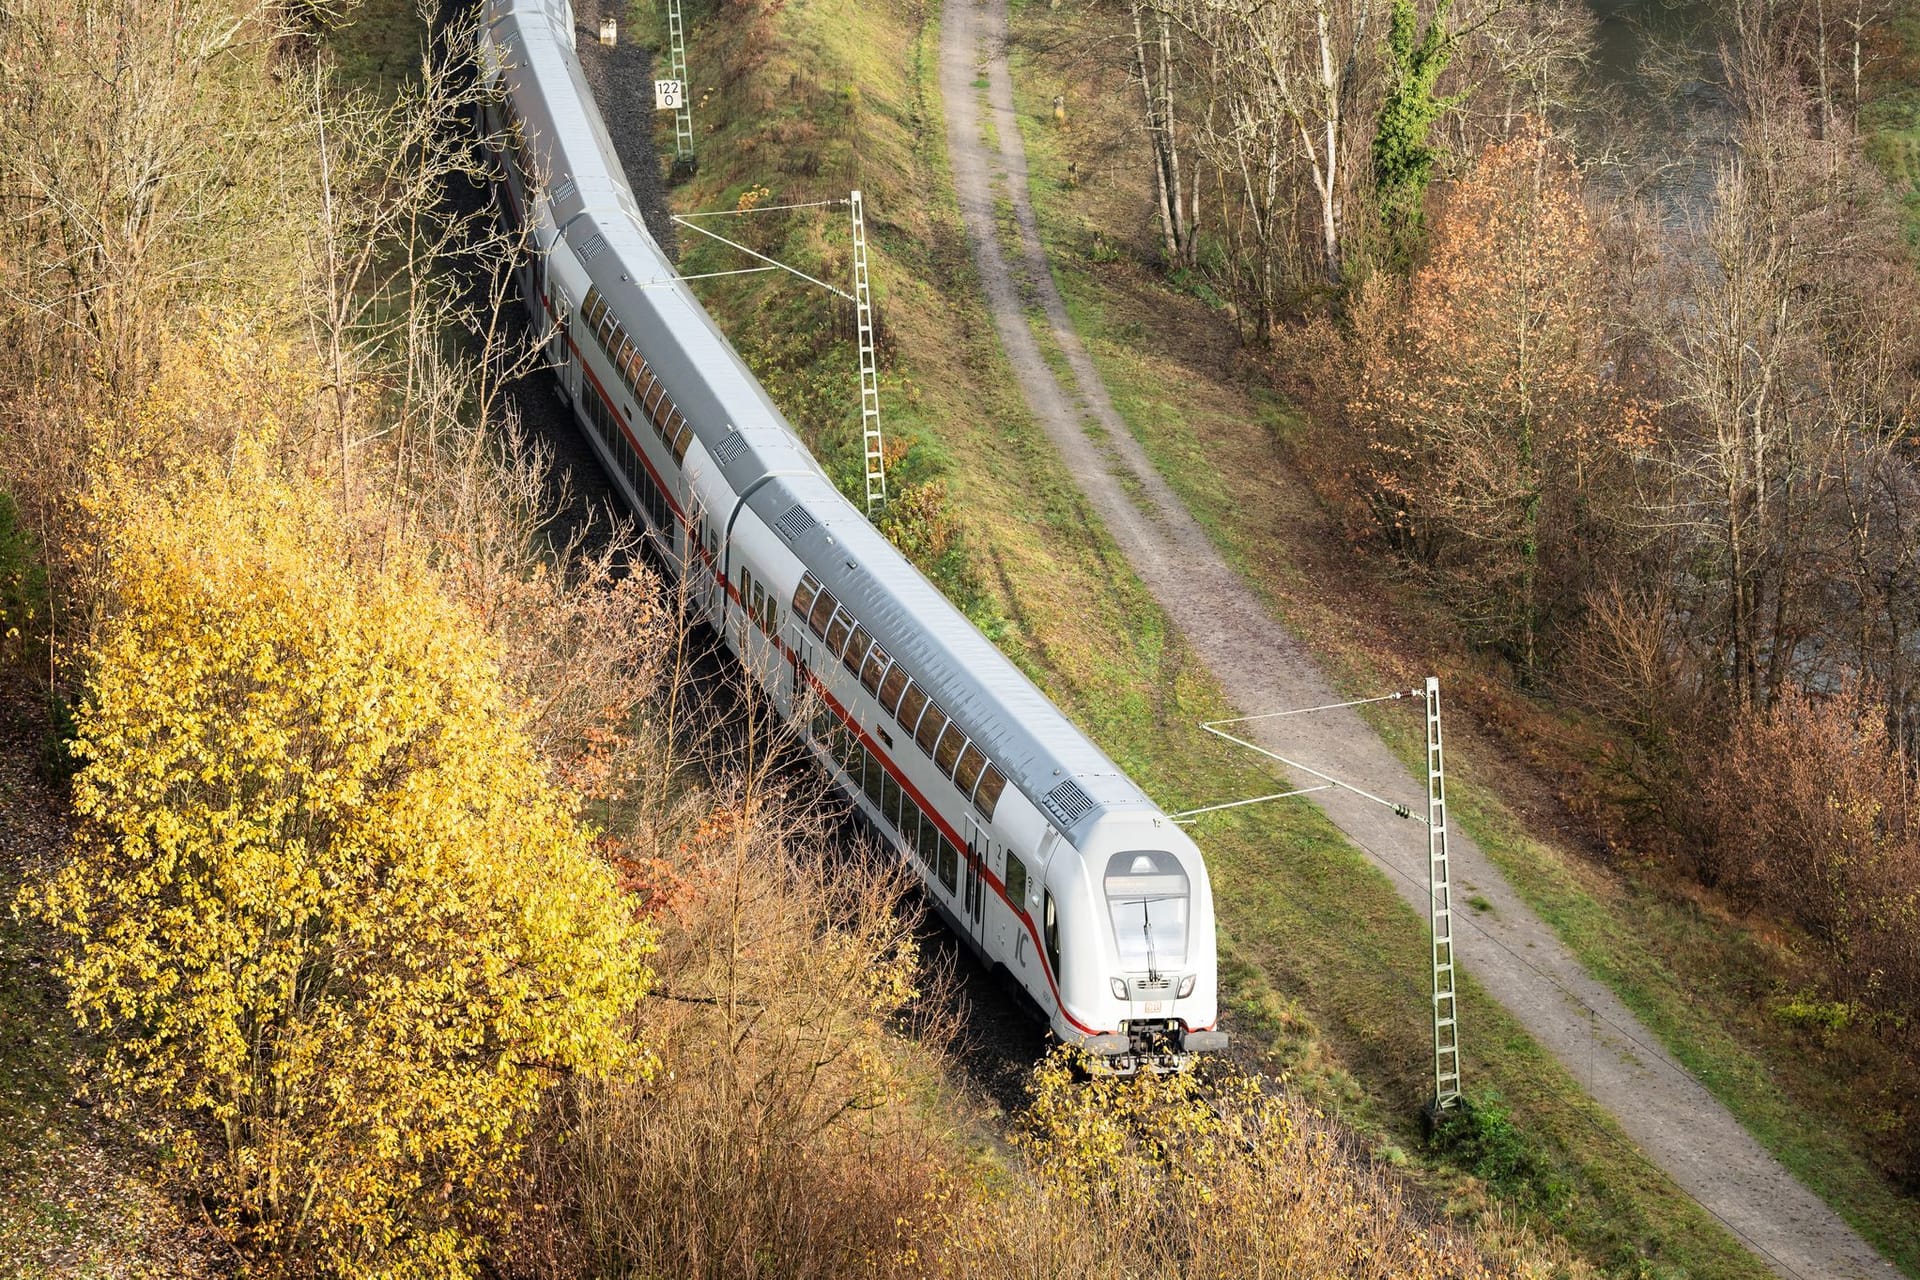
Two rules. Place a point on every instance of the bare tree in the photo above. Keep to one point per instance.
(1305, 67)
(1155, 68)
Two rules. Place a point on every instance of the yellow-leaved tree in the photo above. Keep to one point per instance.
(336, 930)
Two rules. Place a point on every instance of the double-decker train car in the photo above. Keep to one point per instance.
(1033, 846)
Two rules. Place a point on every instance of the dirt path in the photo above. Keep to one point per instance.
(1515, 956)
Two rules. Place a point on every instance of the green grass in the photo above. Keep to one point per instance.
(1890, 116)
(377, 45)
(1689, 975)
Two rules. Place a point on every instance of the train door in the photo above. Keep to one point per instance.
(740, 614)
(559, 353)
(801, 657)
(979, 850)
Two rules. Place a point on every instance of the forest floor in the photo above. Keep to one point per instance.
(1262, 667)
(81, 1196)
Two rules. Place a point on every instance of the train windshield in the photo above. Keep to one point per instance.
(1147, 901)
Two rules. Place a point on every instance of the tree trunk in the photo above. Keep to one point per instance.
(1165, 197)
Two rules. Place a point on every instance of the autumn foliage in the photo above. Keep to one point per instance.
(1179, 1175)
(1486, 423)
(336, 928)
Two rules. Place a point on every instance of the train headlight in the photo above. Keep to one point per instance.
(1119, 986)
(1186, 985)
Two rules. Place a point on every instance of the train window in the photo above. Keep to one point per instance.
(992, 783)
(872, 780)
(682, 439)
(595, 308)
(929, 729)
(929, 840)
(891, 688)
(967, 772)
(912, 703)
(948, 749)
(655, 394)
(770, 615)
(823, 606)
(1051, 930)
(1016, 882)
(890, 799)
(1147, 900)
(804, 593)
(870, 670)
(949, 864)
(646, 383)
(837, 631)
(857, 646)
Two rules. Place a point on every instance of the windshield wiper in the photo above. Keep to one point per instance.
(1146, 927)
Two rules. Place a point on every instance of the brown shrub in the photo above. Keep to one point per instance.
(1170, 1175)
(785, 1130)
(1814, 817)
(1818, 820)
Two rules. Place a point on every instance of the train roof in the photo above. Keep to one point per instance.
(1030, 740)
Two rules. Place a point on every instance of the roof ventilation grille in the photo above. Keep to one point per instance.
(1068, 802)
(730, 448)
(595, 243)
(795, 523)
(564, 191)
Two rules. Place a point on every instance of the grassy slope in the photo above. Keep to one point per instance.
(1891, 117)
(1342, 1007)
(1702, 982)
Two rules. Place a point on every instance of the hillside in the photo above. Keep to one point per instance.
(394, 888)
(1234, 452)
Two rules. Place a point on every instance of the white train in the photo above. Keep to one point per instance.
(1032, 844)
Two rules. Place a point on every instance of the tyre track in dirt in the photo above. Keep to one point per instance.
(1678, 1125)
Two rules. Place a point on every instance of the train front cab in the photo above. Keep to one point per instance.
(1128, 927)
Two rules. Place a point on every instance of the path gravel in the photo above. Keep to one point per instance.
(1508, 950)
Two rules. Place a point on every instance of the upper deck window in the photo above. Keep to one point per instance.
(804, 593)
(872, 669)
(823, 606)
(892, 687)
(987, 795)
(912, 703)
(857, 645)
(947, 750)
(968, 771)
(929, 728)
(837, 632)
